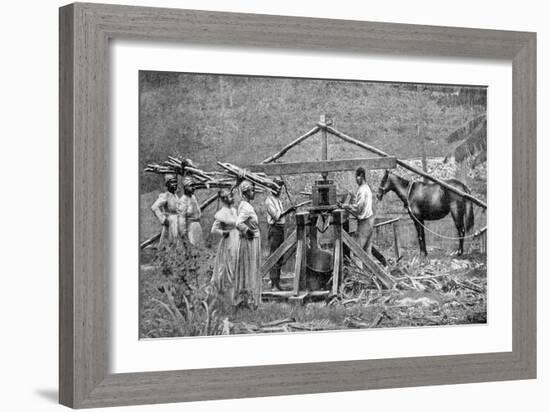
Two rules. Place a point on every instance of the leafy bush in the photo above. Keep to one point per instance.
(196, 307)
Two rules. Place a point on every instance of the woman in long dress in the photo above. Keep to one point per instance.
(225, 225)
(165, 209)
(248, 282)
(190, 214)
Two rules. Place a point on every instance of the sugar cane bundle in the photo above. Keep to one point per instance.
(214, 184)
(258, 179)
(184, 167)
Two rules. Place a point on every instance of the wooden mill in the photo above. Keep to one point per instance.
(324, 206)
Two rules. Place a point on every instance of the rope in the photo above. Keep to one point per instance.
(431, 231)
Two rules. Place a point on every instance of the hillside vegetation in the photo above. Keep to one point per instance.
(243, 119)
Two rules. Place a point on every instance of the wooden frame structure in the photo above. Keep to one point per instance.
(85, 31)
(306, 221)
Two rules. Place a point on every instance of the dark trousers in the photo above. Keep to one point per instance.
(275, 237)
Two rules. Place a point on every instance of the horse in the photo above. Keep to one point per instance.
(430, 201)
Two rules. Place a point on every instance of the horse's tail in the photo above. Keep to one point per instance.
(468, 212)
(469, 216)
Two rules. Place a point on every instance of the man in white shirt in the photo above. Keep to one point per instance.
(362, 209)
(276, 232)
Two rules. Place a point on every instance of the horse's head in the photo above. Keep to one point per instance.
(384, 186)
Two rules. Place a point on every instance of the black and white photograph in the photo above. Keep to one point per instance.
(284, 205)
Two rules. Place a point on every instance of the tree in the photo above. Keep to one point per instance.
(470, 141)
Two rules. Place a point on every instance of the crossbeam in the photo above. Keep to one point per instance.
(288, 246)
(371, 266)
(293, 168)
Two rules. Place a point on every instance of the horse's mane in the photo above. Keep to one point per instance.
(403, 180)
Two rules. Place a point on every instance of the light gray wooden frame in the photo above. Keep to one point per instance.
(85, 31)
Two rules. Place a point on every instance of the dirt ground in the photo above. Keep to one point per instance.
(442, 289)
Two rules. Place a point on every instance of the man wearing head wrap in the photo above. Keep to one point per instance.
(190, 214)
(225, 225)
(276, 232)
(165, 209)
(248, 282)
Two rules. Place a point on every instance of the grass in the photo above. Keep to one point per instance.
(449, 301)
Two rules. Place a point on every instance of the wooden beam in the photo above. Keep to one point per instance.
(301, 250)
(277, 294)
(291, 145)
(288, 245)
(150, 241)
(293, 168)
(378, 222)
(208, 201)
(401, 163)
(371, 266)
(324, 144)
(338, 220)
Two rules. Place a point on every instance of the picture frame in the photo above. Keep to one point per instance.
(85, 32)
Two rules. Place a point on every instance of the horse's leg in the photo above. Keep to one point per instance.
(457, 212)
(421, 237)
(423, 233)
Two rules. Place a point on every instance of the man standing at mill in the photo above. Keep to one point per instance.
(362, 209)
(276, 232)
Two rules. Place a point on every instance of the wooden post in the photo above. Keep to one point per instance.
(301, 250)
(313, 231)
(324, 145)
(395, 240)
(337, 270)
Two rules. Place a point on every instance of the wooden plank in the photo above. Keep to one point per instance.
(277, 294)
(317, 293)
(403, 164)
(67, 296)
(376, 270)
(383, 222)
(293, 168)
(298, 299)
(287, 246)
